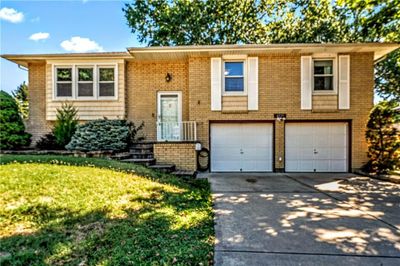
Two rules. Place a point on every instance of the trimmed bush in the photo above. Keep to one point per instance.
(101, 135)
(12, 128)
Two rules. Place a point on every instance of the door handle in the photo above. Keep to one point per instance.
(241, 151)
(315, 151)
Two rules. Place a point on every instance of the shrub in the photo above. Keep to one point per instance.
(48, 142)
(383, 140)
(12, 128)
(66, 123)
(134, 132)
(101, 135)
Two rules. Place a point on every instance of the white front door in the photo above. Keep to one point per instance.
(241, 147)
(169, 116)
(316, 147)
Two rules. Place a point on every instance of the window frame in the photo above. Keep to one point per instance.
(55, 83)
(235, 93)
(75, 81)
(77, 67)
(114, 81)
(333, 75)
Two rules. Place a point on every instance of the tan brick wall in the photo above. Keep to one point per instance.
(37, 124)
(183, 155)
(279, 92)
(144, 81)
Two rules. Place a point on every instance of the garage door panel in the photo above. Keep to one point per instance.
(241, 147)
(320, 147)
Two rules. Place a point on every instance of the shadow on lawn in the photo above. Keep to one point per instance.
(148, 235)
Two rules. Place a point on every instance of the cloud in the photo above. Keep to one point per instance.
(11, 15)
(39, 36)
(81, 45)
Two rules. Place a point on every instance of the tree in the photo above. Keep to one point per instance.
(198, 22)
(66, 124)
(383, 138)
(21, 97)
(12, 128)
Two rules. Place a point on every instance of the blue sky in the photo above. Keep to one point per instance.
(49, 27)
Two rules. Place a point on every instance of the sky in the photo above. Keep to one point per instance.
(29, 27)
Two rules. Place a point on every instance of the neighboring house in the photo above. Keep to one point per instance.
(276, 107)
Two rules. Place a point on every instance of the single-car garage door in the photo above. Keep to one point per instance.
(316, 147)
(241, 147)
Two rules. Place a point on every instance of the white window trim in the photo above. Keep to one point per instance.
(115, 82)
(54, 74)
(334, 76)
(75, 67)
(235, 93)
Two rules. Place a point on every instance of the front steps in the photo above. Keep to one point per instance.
(142, 153)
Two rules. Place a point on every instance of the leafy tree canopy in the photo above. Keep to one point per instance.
(198, 22)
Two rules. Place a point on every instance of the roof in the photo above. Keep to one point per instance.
(176, 52)
(24, 59)
(182, 52)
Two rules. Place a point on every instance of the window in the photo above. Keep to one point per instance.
(64, 82)
(323, 75)
(106, 82)
(85, 82)
(234, 77)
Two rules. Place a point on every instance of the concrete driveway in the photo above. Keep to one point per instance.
(305, 219)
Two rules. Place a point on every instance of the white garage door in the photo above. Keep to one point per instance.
(241, 147)
(316, 147)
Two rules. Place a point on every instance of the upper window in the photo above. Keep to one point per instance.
(106, 82)
(323, 75)
(85, 82)
(234, 76)
(64, 82)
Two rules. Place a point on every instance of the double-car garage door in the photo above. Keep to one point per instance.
(309, 147)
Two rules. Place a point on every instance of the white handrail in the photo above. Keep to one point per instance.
(177, 131)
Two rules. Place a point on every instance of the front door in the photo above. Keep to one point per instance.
(169, 116)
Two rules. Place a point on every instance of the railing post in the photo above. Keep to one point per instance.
(195, 130)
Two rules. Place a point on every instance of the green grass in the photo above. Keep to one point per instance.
(58, 210)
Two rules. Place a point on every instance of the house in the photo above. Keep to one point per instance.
(274, 107)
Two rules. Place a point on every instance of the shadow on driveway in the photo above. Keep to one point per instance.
(308, 219)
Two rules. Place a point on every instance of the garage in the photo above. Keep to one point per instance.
(316, 147)
(241, 147)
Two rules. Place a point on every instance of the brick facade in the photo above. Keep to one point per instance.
(183, 155)
(279, 92)
(37, 124)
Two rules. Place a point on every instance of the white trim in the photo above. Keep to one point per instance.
(161, 93)
(77, 67)
(235, 93)
(334, 76)
(75, 81)
(344, 89)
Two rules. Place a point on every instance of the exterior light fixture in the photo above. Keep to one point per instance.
(168, 77)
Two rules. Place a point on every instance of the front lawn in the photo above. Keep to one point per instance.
(59, 210)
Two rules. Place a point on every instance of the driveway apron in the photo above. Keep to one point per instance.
(305, 219)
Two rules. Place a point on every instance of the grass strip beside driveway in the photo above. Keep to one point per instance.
(65, 210)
